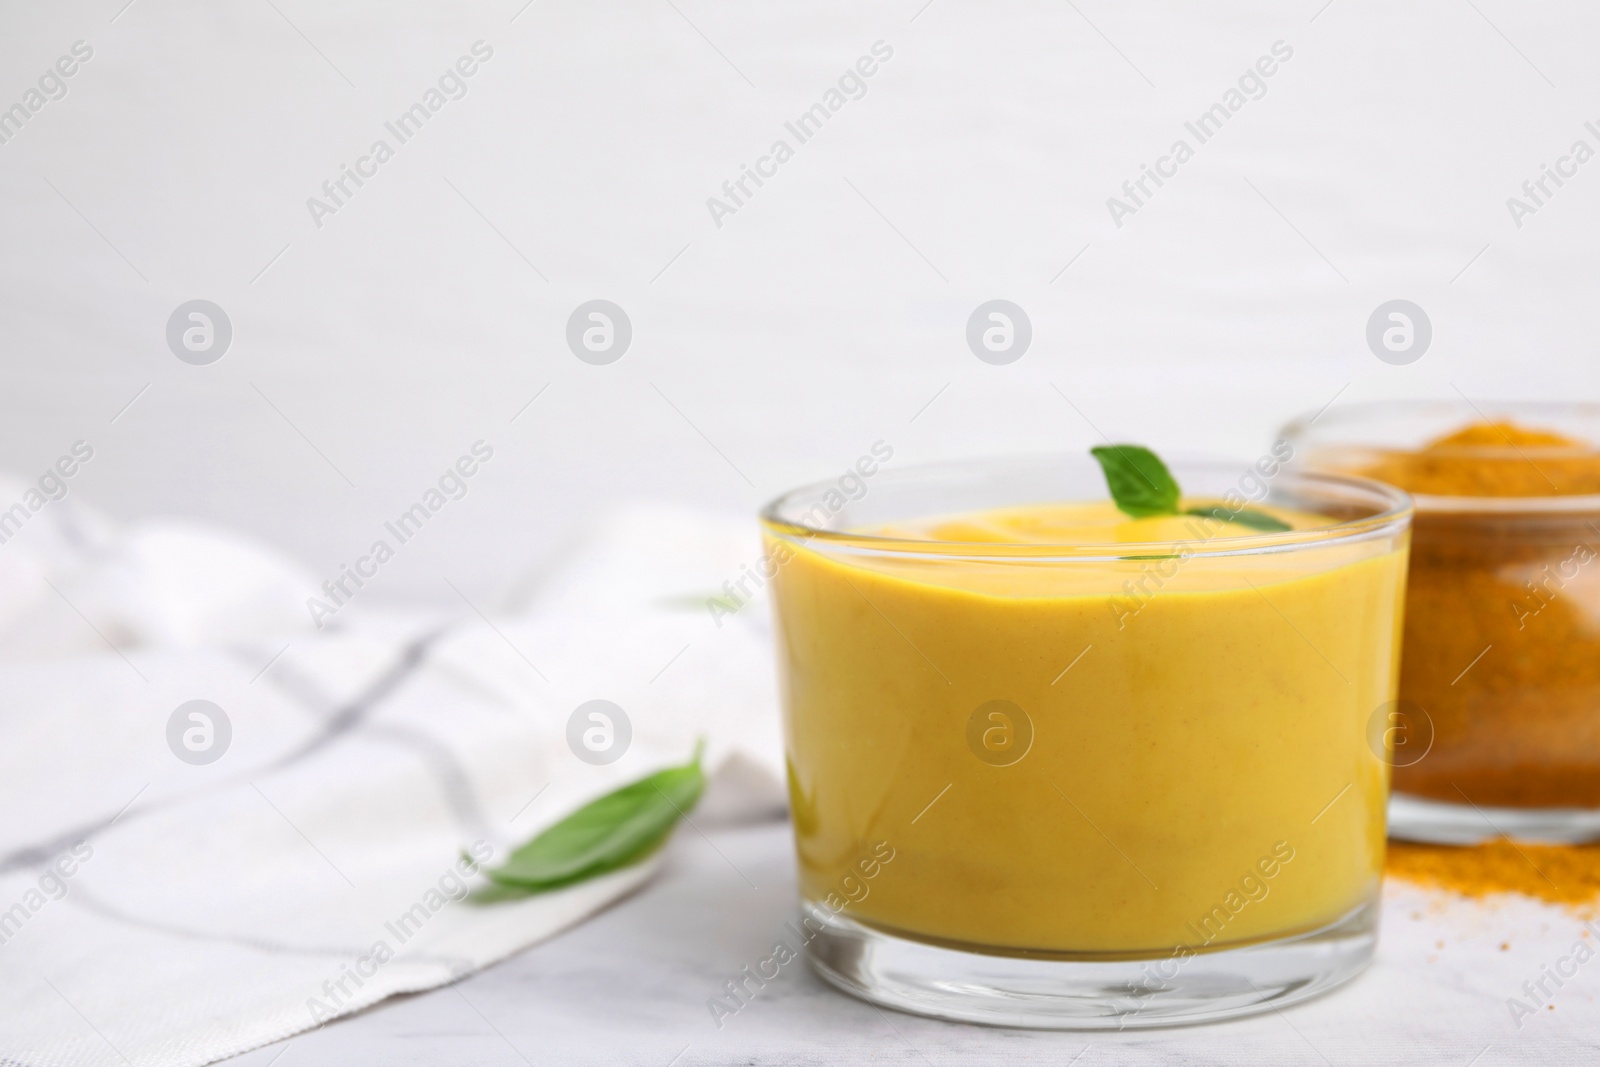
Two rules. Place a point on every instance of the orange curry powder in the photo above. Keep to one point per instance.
(1558, 874)
(1502, 632)
(1494, 459)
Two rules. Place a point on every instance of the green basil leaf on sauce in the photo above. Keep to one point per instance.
(1256, 520)
(1140, 484)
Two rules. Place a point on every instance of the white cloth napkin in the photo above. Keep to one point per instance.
(158, 912)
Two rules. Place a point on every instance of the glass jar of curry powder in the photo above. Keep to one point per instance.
(1496, 731)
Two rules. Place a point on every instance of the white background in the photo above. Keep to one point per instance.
(813, 322)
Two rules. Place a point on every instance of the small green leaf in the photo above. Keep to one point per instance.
(1256, 520)
(606, 834)
(695, 601)
(1140, 483)
(1142, 486)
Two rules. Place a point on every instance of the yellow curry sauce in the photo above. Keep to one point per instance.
(1187, 761)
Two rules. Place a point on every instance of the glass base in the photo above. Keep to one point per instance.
(1439, 822)
(1089, 991)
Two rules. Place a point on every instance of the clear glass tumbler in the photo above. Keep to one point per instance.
(1087, 785)
(1499, 716)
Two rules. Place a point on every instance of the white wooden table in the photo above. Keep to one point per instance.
(631, 986)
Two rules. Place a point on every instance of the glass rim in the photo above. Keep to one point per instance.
(1488, 506)
(1393, 509)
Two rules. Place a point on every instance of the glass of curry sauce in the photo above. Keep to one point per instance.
(1051, 765)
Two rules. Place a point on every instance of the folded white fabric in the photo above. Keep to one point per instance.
(154, 910)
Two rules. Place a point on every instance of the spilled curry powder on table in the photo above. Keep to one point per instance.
(1568, 875)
